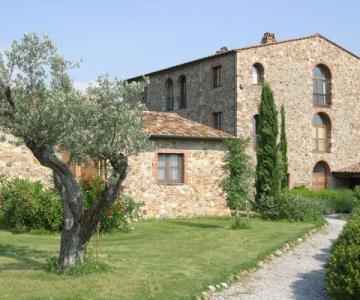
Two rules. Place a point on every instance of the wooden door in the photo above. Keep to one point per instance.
(319, 181)
(319, 176)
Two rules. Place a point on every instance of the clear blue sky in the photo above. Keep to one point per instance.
(126, 38)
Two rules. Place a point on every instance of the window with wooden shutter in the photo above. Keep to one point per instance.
(321, 133)
(321, 86)
(217, 76)
(217, 120)
(257, 74)
(170, 168)
(169, 95)
(182, 91)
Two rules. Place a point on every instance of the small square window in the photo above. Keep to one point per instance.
(170, 168)
(217, 76)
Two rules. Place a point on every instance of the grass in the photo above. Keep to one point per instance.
(169, 259)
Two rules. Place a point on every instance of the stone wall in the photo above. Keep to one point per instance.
(288, 68)
(202, 98)
(17, 161)
(198, 196)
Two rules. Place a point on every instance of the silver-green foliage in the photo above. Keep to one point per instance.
(39, 103)
(40, 106)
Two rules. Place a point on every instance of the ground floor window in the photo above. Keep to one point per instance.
(319, 176)
(170, 168)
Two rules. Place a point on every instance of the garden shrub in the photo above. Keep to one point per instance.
(331, 200)
(26, 206)
(290, 207)
(343, 267)
(357, 196)
(121, 214)
(236, 182)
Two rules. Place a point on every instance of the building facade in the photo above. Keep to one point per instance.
(317, 80)
(180, 176)
(194, 106)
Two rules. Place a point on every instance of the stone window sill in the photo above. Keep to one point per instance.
(171, 183)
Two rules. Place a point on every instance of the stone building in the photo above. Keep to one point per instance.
(180, 176)
(317, 80)
(194, 106)
(16, 160)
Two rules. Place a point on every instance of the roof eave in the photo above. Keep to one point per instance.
(183, 137)
(299, 39)
(178, 66)
(346, 174)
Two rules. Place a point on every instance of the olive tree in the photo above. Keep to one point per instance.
(39, 106)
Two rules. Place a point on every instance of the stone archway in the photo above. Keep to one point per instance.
(320, 176)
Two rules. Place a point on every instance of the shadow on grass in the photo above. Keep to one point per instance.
(26, 258)
(198, 225)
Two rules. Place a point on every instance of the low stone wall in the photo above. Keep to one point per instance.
(200, 193)
(18, 161)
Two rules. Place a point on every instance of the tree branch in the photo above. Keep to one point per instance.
(94, 214)
(48, 158)
(8, 96)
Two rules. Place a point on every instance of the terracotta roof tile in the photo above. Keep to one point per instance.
(233, 51)
(171, 125)
(355, 168)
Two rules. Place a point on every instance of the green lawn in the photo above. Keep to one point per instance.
(172, 259)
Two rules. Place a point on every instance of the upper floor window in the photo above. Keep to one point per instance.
(182, 82)
(321, 86)
(321, 133)
(217, 120)
(257, 74)
(145, 95)
(170, 168)
(169, 95)
(255, 132)
(217, 76)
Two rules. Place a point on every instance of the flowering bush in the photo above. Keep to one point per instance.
(120, 215)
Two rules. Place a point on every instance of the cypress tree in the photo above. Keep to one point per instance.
(283, 151)
(267, 168)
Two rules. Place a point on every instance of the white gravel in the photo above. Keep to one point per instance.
(298, 274)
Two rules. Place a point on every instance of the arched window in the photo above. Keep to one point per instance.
(321, 133)
(320, 174)
(182, 83)
(321, 86)
(169, 95)
(257, 74)
(255, 130)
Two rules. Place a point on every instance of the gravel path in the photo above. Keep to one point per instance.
(298, 274)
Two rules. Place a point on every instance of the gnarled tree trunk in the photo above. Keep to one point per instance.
(79, 225)
(70, 249)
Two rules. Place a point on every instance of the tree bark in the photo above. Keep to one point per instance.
(71, 251)
(79, 225)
